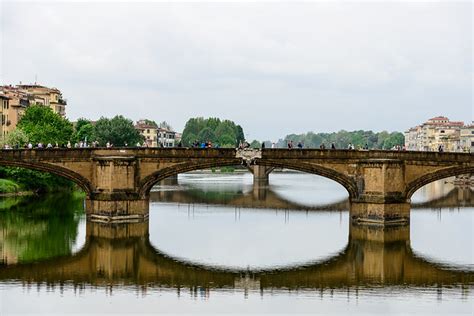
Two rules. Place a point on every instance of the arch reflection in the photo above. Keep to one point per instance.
(122, 255)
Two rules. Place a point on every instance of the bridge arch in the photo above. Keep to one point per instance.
(348, 183)
(82, 182)
(413, 186)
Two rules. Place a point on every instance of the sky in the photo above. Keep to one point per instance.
(273, 67)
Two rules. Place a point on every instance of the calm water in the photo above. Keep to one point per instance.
(214, 244)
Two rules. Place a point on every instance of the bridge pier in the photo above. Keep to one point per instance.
(260, 174)
(381, 196)
(117, 210)
(380, 213)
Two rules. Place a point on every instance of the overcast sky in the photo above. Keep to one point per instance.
(275, 68)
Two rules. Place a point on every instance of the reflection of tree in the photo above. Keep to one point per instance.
(117, 255)
(40, 227)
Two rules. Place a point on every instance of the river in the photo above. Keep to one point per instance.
(215, 244)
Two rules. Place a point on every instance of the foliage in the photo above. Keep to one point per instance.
(118, 131)
(255, 144)
(38, 181)
(223, 133)
(228, 169)
(41, 124)
(165, 125)
(36, 229)
(341, 139)
(8, 186)
(84, 130)
(150, 122)
(16, 137)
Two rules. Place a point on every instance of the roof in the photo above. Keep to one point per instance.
(144, 126)
(439, 118)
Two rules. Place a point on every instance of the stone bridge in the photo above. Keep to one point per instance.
(117, 181)
(122, 255)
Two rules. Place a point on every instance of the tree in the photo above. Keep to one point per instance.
(151, 123)
(81, 122)
(207, 135)
(166, 126)
(393, 140)
(86, 133)
(255, 144)
(225, 133)
(118, 131)
(16, 137)
(41, 124)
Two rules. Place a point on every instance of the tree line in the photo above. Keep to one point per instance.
(341, 140)
(224, 133)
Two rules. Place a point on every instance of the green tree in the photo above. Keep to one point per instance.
(118, 131)
(166, 125)
(207, 134)
(255, 144)
(81, 122)
(393, 140)
(225, 133)
(16, 137)
(151, 123)
(41, 124)
(85, 133)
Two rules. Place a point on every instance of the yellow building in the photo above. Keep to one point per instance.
(149, 132)
(467, 138)
(17, 106)
(50, 97)
(4, 105)
(435, 134)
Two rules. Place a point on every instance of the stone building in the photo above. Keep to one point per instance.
(437, 132)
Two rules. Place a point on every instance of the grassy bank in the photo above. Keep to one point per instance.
(9, 187)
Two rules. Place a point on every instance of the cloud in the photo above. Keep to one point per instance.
(274, 67)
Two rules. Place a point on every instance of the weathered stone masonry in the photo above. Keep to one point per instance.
(117, 181)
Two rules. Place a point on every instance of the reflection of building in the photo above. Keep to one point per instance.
(438, 132)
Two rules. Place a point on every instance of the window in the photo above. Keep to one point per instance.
(472, 143)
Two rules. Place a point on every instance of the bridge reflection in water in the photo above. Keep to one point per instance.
(265, 197)
(121, 254)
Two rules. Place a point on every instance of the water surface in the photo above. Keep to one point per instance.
(215, 244)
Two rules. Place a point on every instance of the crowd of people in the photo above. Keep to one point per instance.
(195, 144)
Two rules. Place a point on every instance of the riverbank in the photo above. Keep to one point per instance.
(11, 188)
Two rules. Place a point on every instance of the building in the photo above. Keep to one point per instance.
(149, 132)
(467, 138)
(438, 132)
(166, 137)
(37, 94)
(4, 105)
(18, 103)
(156, 136)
